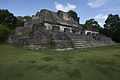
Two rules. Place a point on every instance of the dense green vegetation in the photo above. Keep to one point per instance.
(21, 20)
(93, 23)
(8, 23)
(74, 15)
(7, 19)
(112, 27)
(87, 64)
(4, 32)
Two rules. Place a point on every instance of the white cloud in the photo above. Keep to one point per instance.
(96, 3)
(63, 7)
(101, 24)
(101, 16)
(111, 10)
(101, 19)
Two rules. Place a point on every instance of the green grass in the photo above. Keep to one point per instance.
(87, 64)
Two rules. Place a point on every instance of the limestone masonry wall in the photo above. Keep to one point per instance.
(53, 30)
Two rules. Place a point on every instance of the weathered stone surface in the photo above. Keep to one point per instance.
(53, 17)
(58, 31)
(87, 41)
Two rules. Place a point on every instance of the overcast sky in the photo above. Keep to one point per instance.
(86, 9)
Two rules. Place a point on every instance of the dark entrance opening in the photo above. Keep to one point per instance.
(89, 33)
(73, 30)
(93, 34)
(56, 28)
(66, 30)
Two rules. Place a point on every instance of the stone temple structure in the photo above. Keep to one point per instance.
(56, 30)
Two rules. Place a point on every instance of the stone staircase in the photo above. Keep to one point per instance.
(77, 40)
(86, 41)
(78, 43)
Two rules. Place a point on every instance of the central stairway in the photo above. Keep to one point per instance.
(77, 40)
(78, 43)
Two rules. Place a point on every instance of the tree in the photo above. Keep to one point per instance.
(74, 15)
(21, 20)
(93, 23)
(111, 22)
(86, 25)
(112, 27)
(7, 19)
(27, 18)
(4, 32)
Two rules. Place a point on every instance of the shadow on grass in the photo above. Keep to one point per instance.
(19, 75)
(32, 61)
(30, 67)
(47, 59)
(47, 68)
(118, 56)
(74, 74)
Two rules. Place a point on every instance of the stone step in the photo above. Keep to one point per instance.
(76, 38)
(79, 47)
(77, 43)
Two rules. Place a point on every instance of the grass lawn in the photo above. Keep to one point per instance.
(88, 64)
